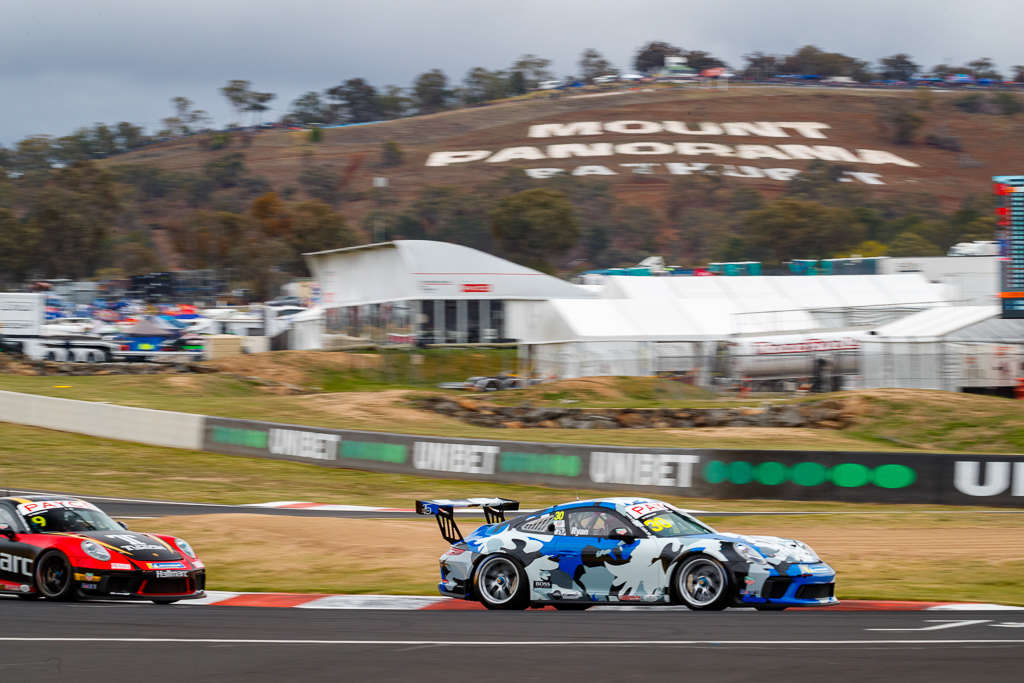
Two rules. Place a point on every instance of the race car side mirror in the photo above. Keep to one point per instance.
(622, 534)
(123, 524)
(6, 530)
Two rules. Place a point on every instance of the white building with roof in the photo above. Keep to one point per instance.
(433, 291)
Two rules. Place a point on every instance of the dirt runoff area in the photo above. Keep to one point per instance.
(945, 562)
(292, 367)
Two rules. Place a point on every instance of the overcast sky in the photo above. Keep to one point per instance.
(70, 63)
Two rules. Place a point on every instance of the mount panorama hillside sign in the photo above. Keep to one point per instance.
(670, 146)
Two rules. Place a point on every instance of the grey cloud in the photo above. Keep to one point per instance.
(69, 63)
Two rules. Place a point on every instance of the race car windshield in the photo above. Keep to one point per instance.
(669, 523)
(57, 520)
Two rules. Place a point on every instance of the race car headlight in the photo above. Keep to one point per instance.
(184, 547)
(749, 554)
(96, 551)
(807, 549)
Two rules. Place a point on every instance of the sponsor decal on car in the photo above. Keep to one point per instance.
(166, 565)
(165, 574)
(565, 595)
(132, 543)
(26, 588)
(32, 508)
(15, 564)
(90, 586)
(198, 564)
(641, 509)
(630, 598)
(120, 565)
(542, 584)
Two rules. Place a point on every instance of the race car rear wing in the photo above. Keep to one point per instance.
(444, 512)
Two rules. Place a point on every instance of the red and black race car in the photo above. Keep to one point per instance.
(66, 549)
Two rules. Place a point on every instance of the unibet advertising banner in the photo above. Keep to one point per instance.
(700, 473)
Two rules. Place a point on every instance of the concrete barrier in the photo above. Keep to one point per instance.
(140, 425)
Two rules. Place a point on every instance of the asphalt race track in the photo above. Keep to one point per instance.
(85, 642)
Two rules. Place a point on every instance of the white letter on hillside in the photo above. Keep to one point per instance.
(576, 149)
(542, 172)
(761, 128)
(695, 148)
(874, 156)
(681, 128)
(806, 128)
(820, 152)
(759, 152)
(511, 153)
(781, 173)
(632, 127)
(445, 158)
(645, 148)
(743, 172)
(555, 130)
(685, 169)
(593, 170)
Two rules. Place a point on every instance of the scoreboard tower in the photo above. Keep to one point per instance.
(1010, 216)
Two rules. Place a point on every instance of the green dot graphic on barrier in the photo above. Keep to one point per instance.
(715, 472)
(771, 473)
(851, 475)
(740, 472)
(894, 476)
(847, 475)
(809, 474)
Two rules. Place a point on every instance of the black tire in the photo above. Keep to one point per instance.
(572, 606)
(164, 602)
(499, 582)
(770, 608)
(54, 577)
(701, 583)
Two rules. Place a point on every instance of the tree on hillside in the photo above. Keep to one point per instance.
(700, 60)
(535, 226)
(18, 247)
(481, 85)
(258, 103)
(226, 171)
(812, 60)
(651, 56)
(238, 93)
(790, 228)
(984, 68)
(909, 244)
(321, 182)
(317, 227)
(1018, 73)
(357, 101)
(185, 119)
(393, 102)
(593, 64)
(73, 215)
(898, 67)
(430, 92)
(448, 213)
(533, 70)
(899, 121)
(309, 109)
(761, 66)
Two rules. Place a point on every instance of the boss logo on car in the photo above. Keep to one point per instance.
(542, 584)
(13, 563)
(163, 574)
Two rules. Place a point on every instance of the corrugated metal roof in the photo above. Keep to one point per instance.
(935, 323)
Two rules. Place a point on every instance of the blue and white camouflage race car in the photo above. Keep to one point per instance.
(620, 550)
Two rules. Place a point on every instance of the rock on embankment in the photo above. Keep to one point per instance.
(828, 414)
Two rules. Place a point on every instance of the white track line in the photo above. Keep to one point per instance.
(508, 643)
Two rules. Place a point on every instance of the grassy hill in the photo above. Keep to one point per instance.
(989, 144)
(914, 199)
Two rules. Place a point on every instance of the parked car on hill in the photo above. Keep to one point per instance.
(620, 550)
